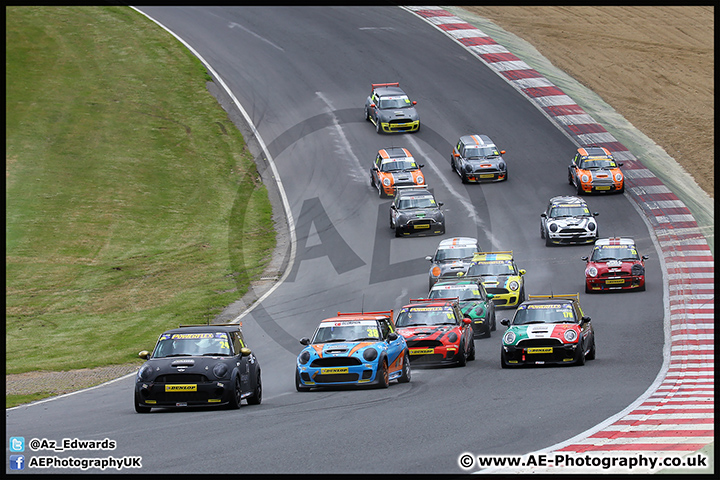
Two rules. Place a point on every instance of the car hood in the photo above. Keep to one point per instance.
(339, 349)
(426, 331)
(615, 265)
(198, 364)
(390, 114)
(571, 221)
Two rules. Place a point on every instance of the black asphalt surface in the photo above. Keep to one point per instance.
(303, 74)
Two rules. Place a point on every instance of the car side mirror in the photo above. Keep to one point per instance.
(456, 155)
(620, 164)
(414, 102)
(392, 336)
(502, 152)
(595, 214)
(584, 258)
(428, 258)
(505, 322)
(440, 204)
(420, 165)
(645, 257)
(523, 271)
(544, 215)
(490, 296)
(467, 320)
(372, 105)
(144, 354)
(584, 320)
(305, 341)
(245, 351)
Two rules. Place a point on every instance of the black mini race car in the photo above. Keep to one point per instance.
(198, 365)
(414, 211)
(475, 158)
(390, 109)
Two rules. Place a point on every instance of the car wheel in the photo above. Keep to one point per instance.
(548, 241)
(398, 232)
(405, 377)
(542, 231)
(367, 115)
(139, 408)
(587, 289)
(378, 129)
(521, 298)
(462, 357)
(581, 357)
(488, 330)
(570, 178)
(641, 289)
(579, 188)
(507, 175)
(383, 374)
(591, 353)
(494, 324)
(503, 360)
(622, 189)
(471, 356)
(256, 397)
(464, 177)
(452, 164)
(236, 397)
(380, 190)
(298, 385)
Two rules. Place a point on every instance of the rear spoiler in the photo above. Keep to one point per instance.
(424, 300)
(386, 313)
(376, 85)
(239, 324)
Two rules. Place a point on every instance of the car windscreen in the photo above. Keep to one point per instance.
(491, 268)
(462, 292)
(456, 253)
(592, 163)
(569, 211)
(480, 152)
(398, 165)
(395, 102)
(418, 316)
(604, 253)
(425, 201)
(346, 332)
(192, 344)
(544, 313)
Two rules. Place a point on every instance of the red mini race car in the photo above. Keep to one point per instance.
(614, 265)
(436, 332)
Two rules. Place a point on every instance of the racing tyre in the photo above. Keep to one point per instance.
(139, 408)
(542, 230)
(579, 189)
(383, 374)
(587, 290)
(503, 361)
(381, 194)
(591, 353)
(236, 396)
(405, 377)
(471, 356)
(580, 361)
(488, 331)
(462, 357)
(367, 115)
(256, 397)
(570, 179)
(464, 177)
(298, 385)
(548, 242)
(377, 126)
(494, 323)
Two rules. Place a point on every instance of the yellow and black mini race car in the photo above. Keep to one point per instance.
(390, 109)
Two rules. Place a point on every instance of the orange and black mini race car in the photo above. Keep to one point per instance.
(593, 169)
(395, 167)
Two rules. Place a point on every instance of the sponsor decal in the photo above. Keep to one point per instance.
(330, 371)
(540, 350)
(191, 336)
(181, 388)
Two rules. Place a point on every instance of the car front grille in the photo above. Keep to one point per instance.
(182, 378)
(539, 342)
(336, 378)
(335, 362)
(424, 343)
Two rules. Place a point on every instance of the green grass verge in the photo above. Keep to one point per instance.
(132, 203)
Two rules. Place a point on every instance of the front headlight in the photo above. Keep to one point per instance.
(585, 178)
(553, 227)
(591, 272)
(436, 271)
(570, 335)
(514, 285)
(509, 338)
(591, 226)
(637, 269)
(386, 182)
(502, 165)
(452, 337)
(420, 180)
(618, 177)
(145, 373)
(220, 370)
(370, 354)
(304, 357)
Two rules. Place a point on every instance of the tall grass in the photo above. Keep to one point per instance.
(132, 204)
